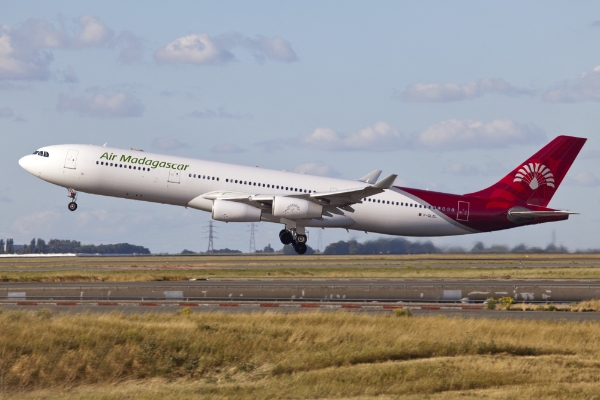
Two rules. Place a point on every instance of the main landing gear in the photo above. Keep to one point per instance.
(298, 241)
(73, 196)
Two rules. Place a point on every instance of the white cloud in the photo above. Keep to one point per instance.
(6, 112)
(584, 179)
(93, 32)
(69, 75)
(102, 105)
(202, 49)
(461, 169)
(21, 63)
(447, 92)
(585, 88)
(168, 143)
(263, 48)
(455, 134)
(220, 113)
(26, 50)
(227, 148)
(317, 169)
(379, 137)
(193, 49)
(132, 49)
(36, 223)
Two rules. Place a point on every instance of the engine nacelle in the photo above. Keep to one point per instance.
(230, 211)
(291, 208)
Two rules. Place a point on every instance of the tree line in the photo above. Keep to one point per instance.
(403, 246)
(58, 246)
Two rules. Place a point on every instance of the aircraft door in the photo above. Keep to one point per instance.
(71, 159)
(463, 211)
(174, 176)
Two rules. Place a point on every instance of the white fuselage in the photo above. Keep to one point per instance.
(137, 175)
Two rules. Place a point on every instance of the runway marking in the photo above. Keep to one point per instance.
(257, 305)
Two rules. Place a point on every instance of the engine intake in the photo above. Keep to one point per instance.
(291, 208)
(230, 211)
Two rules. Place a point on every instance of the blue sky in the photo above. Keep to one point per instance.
(451, 96)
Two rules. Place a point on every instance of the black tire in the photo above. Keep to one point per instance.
(72, 206)
(286, 236)
(301, 238)
(300, 248)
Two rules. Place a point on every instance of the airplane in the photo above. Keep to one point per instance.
(234, 193)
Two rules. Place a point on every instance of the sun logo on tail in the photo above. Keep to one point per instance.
(535, 175)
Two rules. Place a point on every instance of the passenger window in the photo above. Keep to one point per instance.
(97, 163)
(453, 210)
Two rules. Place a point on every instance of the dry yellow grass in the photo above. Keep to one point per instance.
(315, 355)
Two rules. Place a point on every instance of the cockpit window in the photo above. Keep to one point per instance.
(46, 154)
(41, 153)
(35, 152)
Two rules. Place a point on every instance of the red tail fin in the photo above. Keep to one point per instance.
(537, 179)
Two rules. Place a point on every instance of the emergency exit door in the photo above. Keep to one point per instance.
(463, 211)
(174, 176)
(71, 159)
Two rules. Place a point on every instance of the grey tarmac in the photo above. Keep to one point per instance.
(364, 290)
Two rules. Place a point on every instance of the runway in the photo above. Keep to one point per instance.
(342, 290)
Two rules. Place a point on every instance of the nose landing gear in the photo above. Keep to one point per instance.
(297, 240)
(73, 196)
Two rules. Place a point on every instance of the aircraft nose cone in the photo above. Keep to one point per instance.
(25, 163)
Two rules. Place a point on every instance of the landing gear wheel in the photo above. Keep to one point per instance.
(72, 206)
(301, 238)
(300, 248)
(286, 236)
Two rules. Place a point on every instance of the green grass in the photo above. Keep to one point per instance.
(438, 266)
(143, 275)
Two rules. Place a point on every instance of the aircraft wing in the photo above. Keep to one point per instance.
(331, 200)
(372, 177)
(350, 196)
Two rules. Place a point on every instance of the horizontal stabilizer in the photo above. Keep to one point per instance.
(372, 177)
(540, 214)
